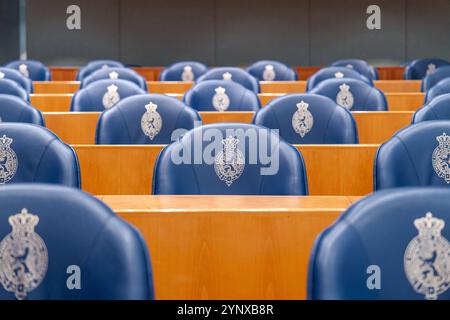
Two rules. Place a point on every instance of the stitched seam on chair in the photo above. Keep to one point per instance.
(410, 158)
(432, 110)
(42, 156)
(126, 124)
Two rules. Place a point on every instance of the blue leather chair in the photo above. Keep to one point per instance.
(67, 229)
(225, 158)
(352, 94)
(237, 75)
(440, 88)
(32, 153)
(433, 78)
(269, 70)
(13, 88)
(359, 65)
(145, 119)
(419, 68)
(16, 76)
(221, 95)
(415, 156)
(15, 109)
(35, 70)
(334, 73)
(95, 65)
(113, 74)
(437, 109)
(103, 94)
(308, 119)
(394, 235)
(183, 71)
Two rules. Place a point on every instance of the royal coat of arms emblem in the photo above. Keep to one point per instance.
(302, 120)
(430, 69)
(227, 76)
(350, 66)
(187, 74)
(220, 100)
(441, 157)
(229, 163)
(427, 258)
(269, 73)
(345, 98)
(23, 69)
(151, 121)
(339, 75)
(113, 75)
(2, 75)
(23, 256)
(8, 160)
(111, 97)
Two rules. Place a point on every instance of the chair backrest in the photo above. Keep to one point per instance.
(103, 94)
(415, 156)
(234, 74)
(270, 70)
(145, 119)
(183, 71)
(420, 68)
(95, 65)
(391, 245)
(35, 70)
(334, 73)
(358, 65)
(221, 95)
(115, 73)
(31, 153)
(59, 243)
(434, 77)
(437, 109)
(13, 88)
(230, 158)
(16, 76)
(15, 109)
(308, 119)
(440, 88)
(352, 94)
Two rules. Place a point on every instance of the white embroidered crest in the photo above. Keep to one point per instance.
(23, 69)
(151, 121)
(345, 97)
(23, 256)
(229, 163)
(350, 66)
(113, 75)
(227, 76)
(220, 100)
(2, 75)
(441, 157)
(111, 97)
(302, 120)
(339, 75)
(427, 258)
(8, 160)
(430, 68)
(105, 66)
(269, 73)
(187, 74)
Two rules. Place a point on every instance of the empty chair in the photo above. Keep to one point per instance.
(433, 78)
(415, 156)
(269, 70)
(16, 76)
(358, 65)
(232, 74)
(95, 65)
(440, 88)
(183, 71)
(145, 119)
(15, 109)
(13, 88)
(352, 94)
(391, 245)
(115, 73)
(420, 68)
(32, 69)
(103, 94)
(308, 118)
(334, 73)
(437, 109)
(31, 153)
(230, 158)
(52, 233)
(221, 95)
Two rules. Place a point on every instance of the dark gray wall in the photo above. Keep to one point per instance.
(9, 30)
(235, 32)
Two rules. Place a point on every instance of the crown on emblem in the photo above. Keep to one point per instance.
(151, 107)
(112, 88)
(105, 66)
(344, 87)
(230, 142)
(220, 90)
(350, 66)
(302, 105)
(114, 75)
(444, 140)
(5, 141)
(269, 67)
(227, 76)
(431, 66)
(429, 225)
(2, 75)
(23, 67)
(23, 222)
(339, 75)
(187, 68)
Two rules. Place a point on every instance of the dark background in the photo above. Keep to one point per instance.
(228, 32)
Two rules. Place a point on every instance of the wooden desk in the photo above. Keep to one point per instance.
(391, 72)
(233, 247)
(149, 73)
(64, 73)
(305, 72)
(331, 169)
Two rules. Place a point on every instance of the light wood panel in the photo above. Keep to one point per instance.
(408, 101)
(169, 86)
(391, 72)
(149, 73)
(229, 247)
(50, 102)
(73, 127)
(305, 72)
(64, 73)
(396, 86)
(56, 86)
